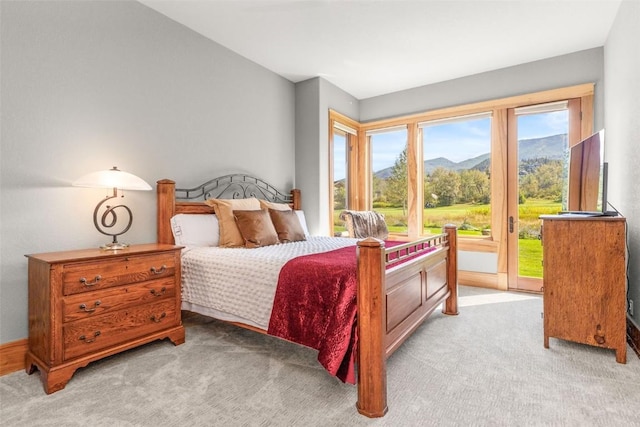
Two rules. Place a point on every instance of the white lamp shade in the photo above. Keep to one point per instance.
(112, 178)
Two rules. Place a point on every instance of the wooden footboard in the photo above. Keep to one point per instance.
(396, 292)
(393, 300)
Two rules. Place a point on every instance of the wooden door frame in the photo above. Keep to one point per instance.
(580, 110)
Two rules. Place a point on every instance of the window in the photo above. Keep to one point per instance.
(451, 165)
(343, 137)
(340, 167)
(389, 185)
(457, 174)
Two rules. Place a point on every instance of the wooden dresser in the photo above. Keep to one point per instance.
(584, 272)
(88, 304)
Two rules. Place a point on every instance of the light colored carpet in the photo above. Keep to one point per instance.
(486, 366)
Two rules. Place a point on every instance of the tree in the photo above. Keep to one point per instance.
(541, 178)
(379, 188)
(474, 186)
(339, 196)
(529, 186)
(430, 197)
(550, 180)
(396, 190)
(446, 185)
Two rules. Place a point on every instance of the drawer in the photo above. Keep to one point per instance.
(95, 303)
(97, 333)
(87, 277)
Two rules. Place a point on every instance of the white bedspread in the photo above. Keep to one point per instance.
(238, 284)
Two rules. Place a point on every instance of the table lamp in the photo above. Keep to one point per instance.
(116, 179)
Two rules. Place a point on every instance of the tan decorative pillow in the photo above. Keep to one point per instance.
(256, 228)
(230, 236)
(287, 225)
(275, 206)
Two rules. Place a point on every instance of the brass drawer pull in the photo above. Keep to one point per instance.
(158, 319)
(84, 308)
(95, 281)
(89, 340)
(158, 270)
(158, 294)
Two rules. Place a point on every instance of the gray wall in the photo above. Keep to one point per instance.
(622, 130)
(89, 85)
(308, 150)
(314, 98)
(567, 70)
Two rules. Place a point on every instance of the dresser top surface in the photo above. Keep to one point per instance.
(101, 254)
(581, 217)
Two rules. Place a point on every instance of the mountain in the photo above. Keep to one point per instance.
(439, 162)
(550, 147)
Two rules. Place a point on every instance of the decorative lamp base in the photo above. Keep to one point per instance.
(114, 246)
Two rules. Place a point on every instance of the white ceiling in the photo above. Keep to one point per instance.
(369, 48)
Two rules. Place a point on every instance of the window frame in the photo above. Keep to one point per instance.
(359, 155)
(411, 164)
(457, 119)
(351, 129)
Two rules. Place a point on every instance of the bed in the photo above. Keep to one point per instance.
(396, 285)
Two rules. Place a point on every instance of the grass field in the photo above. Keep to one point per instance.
(473, 219)
(529, 258)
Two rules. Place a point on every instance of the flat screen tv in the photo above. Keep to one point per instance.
(586, 191)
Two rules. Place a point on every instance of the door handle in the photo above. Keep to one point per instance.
(510, 224)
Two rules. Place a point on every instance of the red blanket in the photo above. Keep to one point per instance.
(315, 305)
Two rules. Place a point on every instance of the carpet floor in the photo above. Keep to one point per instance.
(485, 367)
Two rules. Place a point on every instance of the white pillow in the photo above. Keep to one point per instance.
(303, 222)
(195, 229)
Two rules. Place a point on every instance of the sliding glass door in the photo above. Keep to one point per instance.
(538, 142)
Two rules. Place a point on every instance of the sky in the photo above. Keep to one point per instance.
(454, 141)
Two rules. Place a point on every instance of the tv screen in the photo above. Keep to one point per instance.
(587, 177)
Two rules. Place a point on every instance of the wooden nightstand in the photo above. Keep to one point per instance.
(88, 304)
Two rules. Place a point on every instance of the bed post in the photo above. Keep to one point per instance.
(450, 306)
(296, 200)
(166, 209)
(372, 371)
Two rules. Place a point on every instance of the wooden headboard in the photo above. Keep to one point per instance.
(172, 201)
